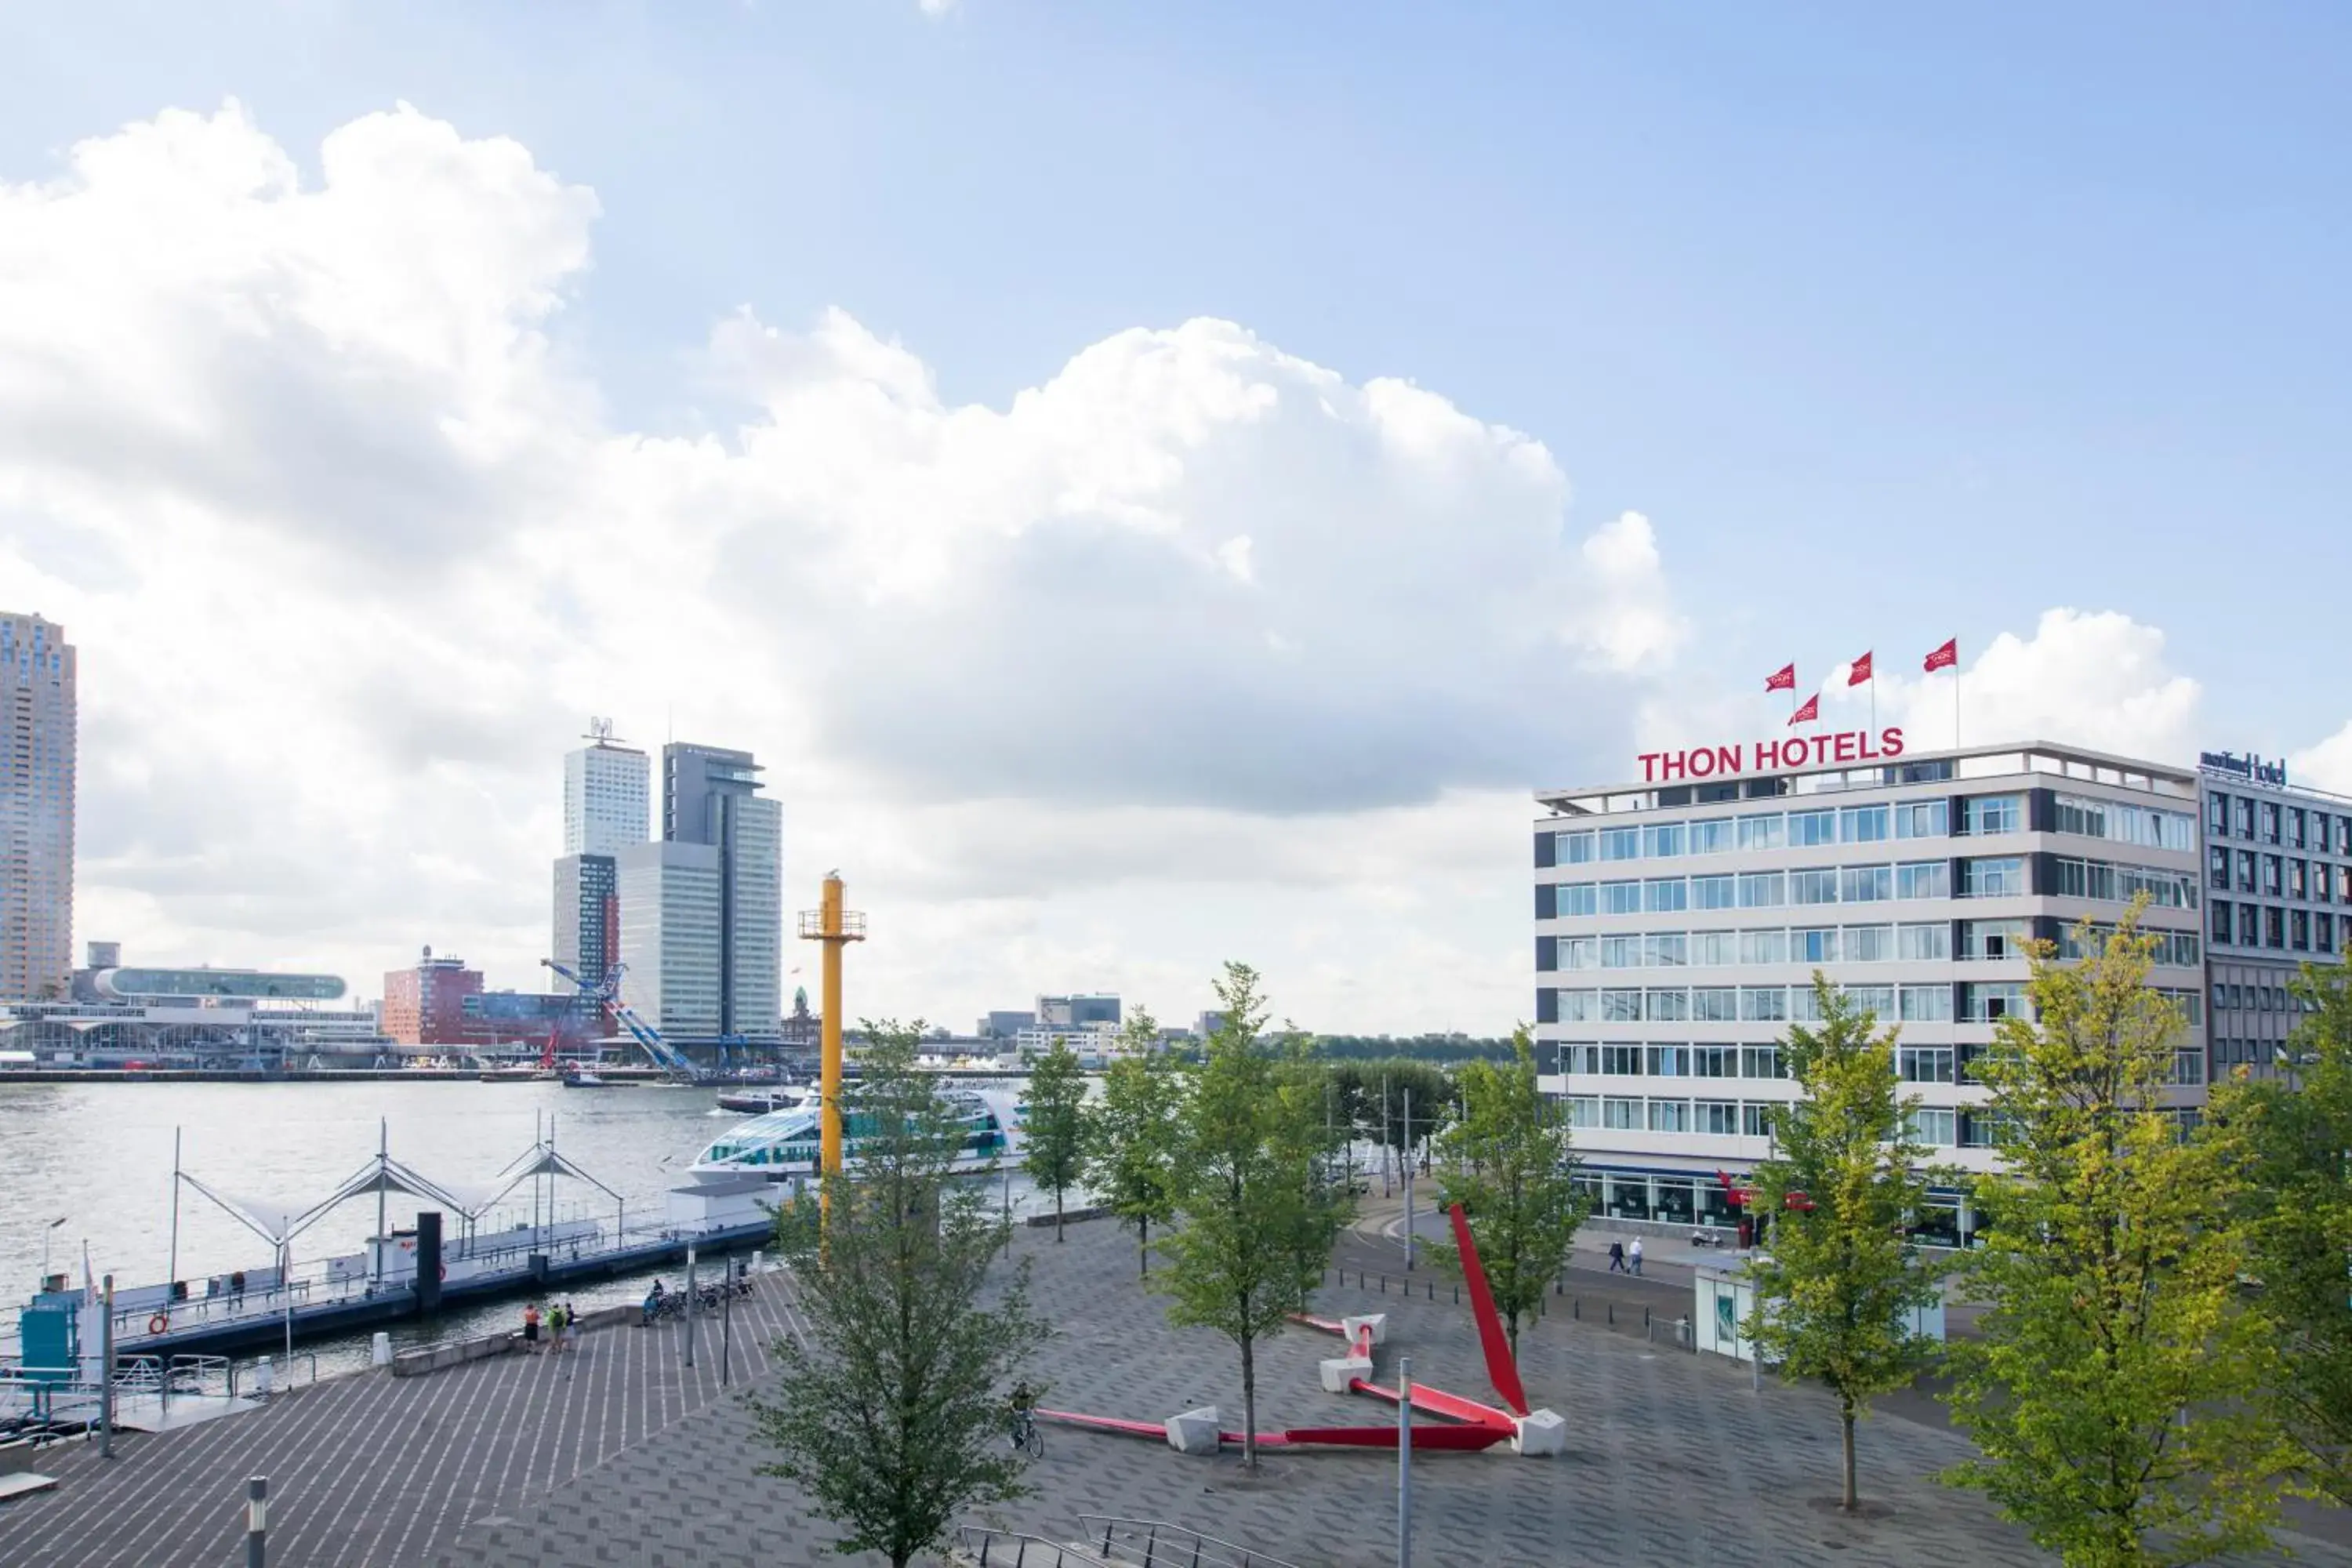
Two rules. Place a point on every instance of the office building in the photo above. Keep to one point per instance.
(710, 800)
(1679, 922)
(2278, 895)
(39, 708)
(1003, 1024)
(607, 805)
(424, 1004)
(1099, 1011)
(669, 931)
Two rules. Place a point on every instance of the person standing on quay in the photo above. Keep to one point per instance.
(531, 1327)
(1634, 1255)
(555, 1323)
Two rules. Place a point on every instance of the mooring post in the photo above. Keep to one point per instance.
(256, 1522)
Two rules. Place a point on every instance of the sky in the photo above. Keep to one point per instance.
(1154, 485)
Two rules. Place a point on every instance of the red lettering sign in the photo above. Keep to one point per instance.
(1793, 751)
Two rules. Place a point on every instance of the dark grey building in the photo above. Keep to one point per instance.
(1000, 1023)
(2278, 880)
(710, 795)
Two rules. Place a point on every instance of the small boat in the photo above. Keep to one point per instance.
(584, 1079)
(760, 1102)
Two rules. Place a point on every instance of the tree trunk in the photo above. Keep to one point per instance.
(1144, 1246)
(1845, 1419)
(1057, 1213)
(1249, 1406)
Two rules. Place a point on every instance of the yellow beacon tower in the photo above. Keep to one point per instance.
(834, 927)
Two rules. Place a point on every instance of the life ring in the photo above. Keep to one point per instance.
(159, 1323)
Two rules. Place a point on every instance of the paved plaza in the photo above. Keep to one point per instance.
(1672, 1457)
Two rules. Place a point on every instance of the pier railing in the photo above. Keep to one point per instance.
(1155, 1544)
(990, 1548)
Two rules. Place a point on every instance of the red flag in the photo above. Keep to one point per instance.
(1859, 672)
(1781, 680)
(1944, 658)
(1809, 713)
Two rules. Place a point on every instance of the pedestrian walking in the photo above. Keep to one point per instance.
(1616, 1257)
(530, 1328)
(1634, 1255)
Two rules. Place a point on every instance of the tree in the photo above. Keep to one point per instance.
(1509, 1164)
(892, 1417)
(1834, 1297)
(1255, 1233)
(1131, 1131)
(2291, 1140)
(1056, 1155)
(1377, 1089)
(2106, 1389)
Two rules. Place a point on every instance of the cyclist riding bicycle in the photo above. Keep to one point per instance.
(1025, 1411)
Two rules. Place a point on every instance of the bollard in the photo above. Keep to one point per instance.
(261, 1378)
(1612, 1314)
(257, 1521)
(1645, 1319)
(1575, 1308)
(380, 1350)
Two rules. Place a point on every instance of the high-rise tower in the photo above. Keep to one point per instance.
(606, 799)
(38, 722)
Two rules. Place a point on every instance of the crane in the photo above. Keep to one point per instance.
(607, 995)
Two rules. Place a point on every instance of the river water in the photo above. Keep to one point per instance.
(97, 1156)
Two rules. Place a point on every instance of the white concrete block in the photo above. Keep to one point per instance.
(380, 1350)
(1542, 1432)
(1339, 1370)
(1194, 1432)
(1378, 1320)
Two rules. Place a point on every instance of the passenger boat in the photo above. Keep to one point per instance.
(783, 1145)
(760, 1102)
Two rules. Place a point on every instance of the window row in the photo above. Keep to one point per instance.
(2279, 876)
(2128, 823)
(1786, 829)
(1724, 1118)
(2174, 949)
(2269, 822)
(1747, 890)
(2107, 881)
(2281, 930)
(1928, 942)
(1745, 1003)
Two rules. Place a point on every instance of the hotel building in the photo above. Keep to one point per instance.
(2278, 895)
(1679, 923)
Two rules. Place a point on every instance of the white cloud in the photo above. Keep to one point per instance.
(1195, 650)
(2327, 765)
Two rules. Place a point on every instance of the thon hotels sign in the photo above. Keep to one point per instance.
(2249, 767)
(1772, 756)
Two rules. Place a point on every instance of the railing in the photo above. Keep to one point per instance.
(993, 1547)
(1153, 1543)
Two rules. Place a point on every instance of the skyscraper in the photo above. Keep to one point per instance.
(606, 798)
(709, 797)
(37, 806)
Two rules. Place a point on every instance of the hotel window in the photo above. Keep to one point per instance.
(1763, 947)
(1579, 1006)
(1670, 1116)
(1923, 880)
(1579, 1059)
(1662, 841)
(2295, 881)
(1987, 814)
(1924, 942)
(2323, 883)
(2294, 827)
(1715, 893)
(2221, 919)
(1621, 1006)
(1987, 1002)
(1668, 896)
(2298, 931)
(1666, 1004)
(1866, 884)
(1715, 1004)
(2343, 836)
(1804, 1004)
(1923, 819)
(1814, 944)
(1714, 947)
(2217, 867)
(1764, 1003)
(1576, 848)
(1620, 898)
(1933, 1128)
(1621, 844)
(2269, 833)
(1755, 1119)
(1715, 1062)
(2217, 815)
(1665, 949)
(1813, 887)
(1583, 1111)
(1713, 836)
(1924, 1064)
(1869, 944)
(2323, 932)
(1926, 1003)
(2242, 810)
(1877, 999)
(2250, 925)
(1994, 939)
(1766, 832)
(1763, 889)
(1862, 824)
(2245, 870)
(1810, 827)
(2189, 1065)
(1580, 953)
(1621, 1115)
(1577, 899)
(2272, 879)
(1621, 1061)
(2190, 1003)
(1992, 879)
(1719, 1118)
(1667, 1061)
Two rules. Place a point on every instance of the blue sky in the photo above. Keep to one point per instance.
(1896, 326)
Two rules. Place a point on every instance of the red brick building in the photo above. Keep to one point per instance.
(425, 1005)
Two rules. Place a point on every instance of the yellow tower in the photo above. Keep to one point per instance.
(834, 926)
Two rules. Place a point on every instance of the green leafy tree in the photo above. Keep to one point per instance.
(1835, 1295)
(1381, 1092)
(1132, 1130)
(1055, 1156)
(2291, 1137)
(1255, 1232)
(1508, 1162)
(2107, 1388)
(892, 1415)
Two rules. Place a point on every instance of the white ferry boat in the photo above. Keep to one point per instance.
(783, 1144)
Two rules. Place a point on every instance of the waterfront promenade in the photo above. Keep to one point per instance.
(1672, 1457)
